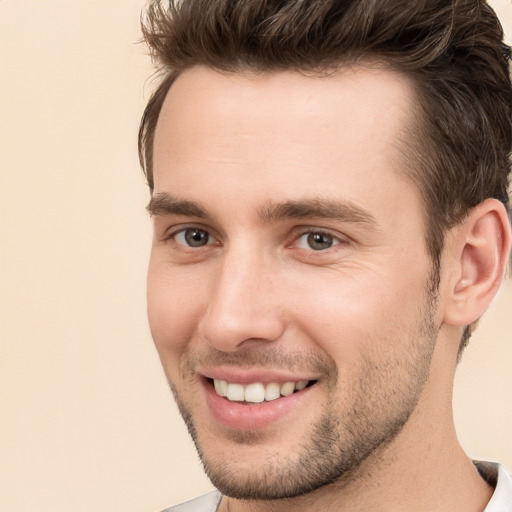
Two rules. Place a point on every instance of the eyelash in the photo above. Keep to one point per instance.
(306, 232)
(168, 237)
(334, 240)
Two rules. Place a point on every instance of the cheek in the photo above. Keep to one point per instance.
(173, 311)
(350, 317)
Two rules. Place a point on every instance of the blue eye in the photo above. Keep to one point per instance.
(317, 241)
(192, 237)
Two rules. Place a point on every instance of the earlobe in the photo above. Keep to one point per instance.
(481, 246)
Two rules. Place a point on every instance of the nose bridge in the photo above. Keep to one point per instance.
(241, 306)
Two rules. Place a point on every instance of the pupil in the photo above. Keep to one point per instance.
(196, 237)
(319, 241)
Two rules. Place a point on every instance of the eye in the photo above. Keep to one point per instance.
(193, 237)
(317, 241)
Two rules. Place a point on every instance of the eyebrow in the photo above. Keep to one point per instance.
(162, 204)
(345, 211)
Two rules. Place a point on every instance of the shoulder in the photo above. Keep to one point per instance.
(206, 503)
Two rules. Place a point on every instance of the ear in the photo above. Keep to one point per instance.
(479, 248)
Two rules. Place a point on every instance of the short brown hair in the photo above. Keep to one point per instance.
(451, 50)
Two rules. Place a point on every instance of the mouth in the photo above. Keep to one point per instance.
(257, 392)
(249, 400)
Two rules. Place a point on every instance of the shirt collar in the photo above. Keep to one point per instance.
(499, 478)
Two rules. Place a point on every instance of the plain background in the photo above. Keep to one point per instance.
(87, 422)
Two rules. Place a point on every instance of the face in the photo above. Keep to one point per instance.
(289, 287)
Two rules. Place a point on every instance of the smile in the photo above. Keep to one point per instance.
(257, 392)
(255, 399)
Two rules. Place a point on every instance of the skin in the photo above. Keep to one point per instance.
(379, 342)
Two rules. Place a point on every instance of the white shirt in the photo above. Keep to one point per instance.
(498, 477)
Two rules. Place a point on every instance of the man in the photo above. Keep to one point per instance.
(329, 187)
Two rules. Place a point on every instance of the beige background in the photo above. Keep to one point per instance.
(87, 423)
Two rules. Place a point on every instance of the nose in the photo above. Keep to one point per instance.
(243, 309)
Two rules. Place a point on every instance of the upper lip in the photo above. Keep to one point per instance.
(248, 376)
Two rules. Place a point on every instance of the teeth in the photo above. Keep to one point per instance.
(221, 387)
(235, 392)
(256, 392)
(272, 391)
(301, 384)
(287, 388)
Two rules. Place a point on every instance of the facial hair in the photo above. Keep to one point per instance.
(374, 409)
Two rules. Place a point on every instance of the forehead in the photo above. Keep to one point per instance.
(281, 131)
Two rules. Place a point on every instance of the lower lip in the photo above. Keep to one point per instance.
(240, 416)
